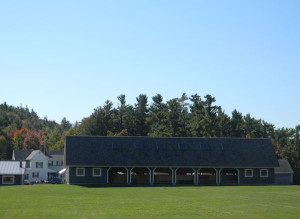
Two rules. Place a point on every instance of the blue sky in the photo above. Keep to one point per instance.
(65, 58)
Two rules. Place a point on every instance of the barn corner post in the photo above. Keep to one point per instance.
(196, 181)
(218, 176)
(174, 170)
(128, 175)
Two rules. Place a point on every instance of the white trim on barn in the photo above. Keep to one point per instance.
(97, 175)
(246, 175)
(77, 169)
(264, 176)
(8, 183)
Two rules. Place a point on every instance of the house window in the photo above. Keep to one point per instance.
(27, 163)
(248, 172)
(27, 176)
(50, 163)
(35, 174)
(39, 164)
(8, 180)
(80, 172)
(264, 173)
(96, 171)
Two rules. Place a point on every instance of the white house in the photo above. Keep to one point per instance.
(55, 163)
(36, 164)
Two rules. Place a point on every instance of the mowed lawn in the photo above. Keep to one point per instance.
(66, 201)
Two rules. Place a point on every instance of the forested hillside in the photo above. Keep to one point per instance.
(185, 116)
(21, 128)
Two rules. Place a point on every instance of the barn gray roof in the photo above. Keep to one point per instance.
(176, 152)
(12, 168)
(284, 167)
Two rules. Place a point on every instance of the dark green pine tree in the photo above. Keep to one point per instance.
(197, 121)
(222, 124)
(141, 114)
(237, 124)
(174, 111)
(159, 123)
(184, 117)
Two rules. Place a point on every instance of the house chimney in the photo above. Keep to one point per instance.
(43, 148)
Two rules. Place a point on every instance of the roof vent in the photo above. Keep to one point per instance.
(116, 145)
(161, 147)
(204, 147)
(225, 147)
(182, 147)
(139, 145)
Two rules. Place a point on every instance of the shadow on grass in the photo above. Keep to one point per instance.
(149, 186)
(165, 185)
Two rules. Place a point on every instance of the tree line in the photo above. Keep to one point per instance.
(185, 116)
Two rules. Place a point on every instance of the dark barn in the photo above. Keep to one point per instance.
(169, 161)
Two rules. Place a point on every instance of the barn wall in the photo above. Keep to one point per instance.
(18, 180)
(283, 178)
(88, 178)
(256, 179)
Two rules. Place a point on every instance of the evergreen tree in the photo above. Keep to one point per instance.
(184, 116)
(197, 116)
(174, 116)
(159, 124)
(141, 113)
(237, 124)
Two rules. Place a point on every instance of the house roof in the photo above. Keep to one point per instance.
(284, 167)
(12, 167)
(166, 152)
(22, 154)
(55, 152)
(56, 155)
(33, 153)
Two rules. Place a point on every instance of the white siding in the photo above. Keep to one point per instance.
(43, 172)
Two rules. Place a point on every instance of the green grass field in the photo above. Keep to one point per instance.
(66, 201)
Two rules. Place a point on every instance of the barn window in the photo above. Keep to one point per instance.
(96, 171)
(264, 173)
(80, 172)
(248, 172)
(27, 163)
(8, 180)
